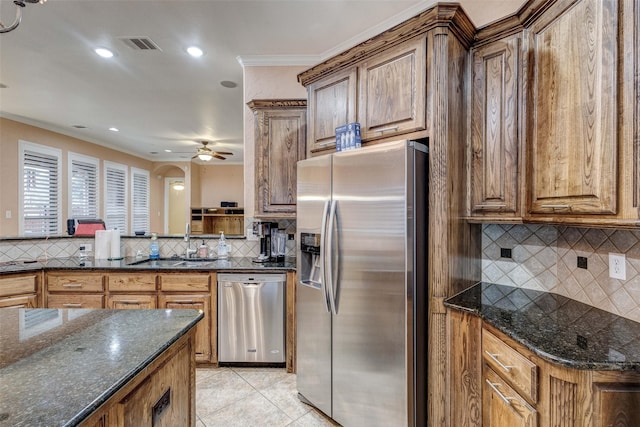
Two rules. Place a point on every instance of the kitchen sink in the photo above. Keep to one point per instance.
(174, 262)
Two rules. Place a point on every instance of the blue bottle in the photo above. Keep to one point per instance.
(154, 249)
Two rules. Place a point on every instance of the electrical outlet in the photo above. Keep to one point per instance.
(582, 262)
(505, 253)
(617, 268)
(88, 247)
(7, 214)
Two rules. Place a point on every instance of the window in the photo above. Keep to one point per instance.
(115, 206)
(40, 168)
(140, 200)
(83, 186)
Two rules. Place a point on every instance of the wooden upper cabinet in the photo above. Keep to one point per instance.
(280, 137)
(573, 117)
(495, 146)
(392, 91)
(331, 103)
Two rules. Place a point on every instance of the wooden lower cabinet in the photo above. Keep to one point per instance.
(71, 300)
(20, 290)
(66, 289)
(203, 328)
(193, 290)
(528, 390)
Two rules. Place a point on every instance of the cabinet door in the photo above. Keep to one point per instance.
(332, 103)
(280, 143)
(616, 404)
(18, 284)
(23, 301)
(75, 282)
(203, 328)
(502, 406)
(573, 129)
(495, 148)
(131, 301)
(392, 91)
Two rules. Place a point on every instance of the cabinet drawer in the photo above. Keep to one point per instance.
(502, 405)
(75, 283)
(132, 302)
(131, 282)
(25, 301)
(75, 301)
(520, 372)
(184, 282)
(16, 285)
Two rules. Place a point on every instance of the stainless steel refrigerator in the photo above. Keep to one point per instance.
(361, 291)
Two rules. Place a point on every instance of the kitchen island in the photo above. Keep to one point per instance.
(97, 367)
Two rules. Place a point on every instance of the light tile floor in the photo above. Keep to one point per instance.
(255, 397)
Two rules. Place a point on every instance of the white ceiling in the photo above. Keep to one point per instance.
(166, 99)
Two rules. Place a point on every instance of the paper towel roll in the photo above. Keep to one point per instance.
(102, 244)
(115, 244)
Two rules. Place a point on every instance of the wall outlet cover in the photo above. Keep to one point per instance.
(582, 262)
(617, 267)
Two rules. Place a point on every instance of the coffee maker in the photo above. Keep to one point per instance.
(263, 230)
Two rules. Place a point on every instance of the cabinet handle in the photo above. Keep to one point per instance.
(506, 399)
(182, 302)
(383, 130)
(128, 301)
(72, 285)
(72, 305)
(555, 206)
(494, 357)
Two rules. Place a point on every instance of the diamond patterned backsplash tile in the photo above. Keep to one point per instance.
(545, 258)
(62, 247)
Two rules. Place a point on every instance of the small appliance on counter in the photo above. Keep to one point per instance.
(264, 231)
(84, 227)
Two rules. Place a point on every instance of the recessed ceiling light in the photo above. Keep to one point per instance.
(112, 129)
(167, 151)
(228, 84)
(104, 52)
(194, 51)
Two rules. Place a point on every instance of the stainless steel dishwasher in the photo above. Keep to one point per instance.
(251, 318)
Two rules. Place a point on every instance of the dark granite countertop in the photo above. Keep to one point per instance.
(556, 328)
(138, 264)
(58, 366)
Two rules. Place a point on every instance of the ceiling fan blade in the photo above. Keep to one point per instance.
(219, 157)
(224, 153)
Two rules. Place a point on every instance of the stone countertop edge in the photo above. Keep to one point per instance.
(544, 321)
(128, 263)
(104, 397)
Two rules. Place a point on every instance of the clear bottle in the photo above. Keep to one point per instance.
(203, 250)
(154, 249)
(223, 247)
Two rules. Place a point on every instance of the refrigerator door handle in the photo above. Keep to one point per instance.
(329, 264)
(323, 270)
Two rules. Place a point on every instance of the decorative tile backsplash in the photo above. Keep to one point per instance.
(62, 247)
(545, 258)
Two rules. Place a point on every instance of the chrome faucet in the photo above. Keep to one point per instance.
(187, 238)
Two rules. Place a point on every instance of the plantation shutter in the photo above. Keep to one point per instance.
(140, 200)
(115, 177)
(83, 187)
(40, 196)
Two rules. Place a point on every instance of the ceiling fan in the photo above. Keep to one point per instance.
(205, 153)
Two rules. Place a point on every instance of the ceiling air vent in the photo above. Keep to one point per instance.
(140, 43)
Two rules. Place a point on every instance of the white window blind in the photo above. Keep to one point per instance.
(83, 186)
(140, 200)
(40, 168)
(115, 206)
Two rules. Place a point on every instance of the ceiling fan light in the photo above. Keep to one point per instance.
(205, 157)
(178, 185)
